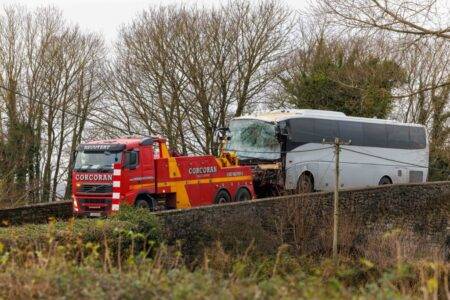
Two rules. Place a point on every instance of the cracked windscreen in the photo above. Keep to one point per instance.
(254, 139)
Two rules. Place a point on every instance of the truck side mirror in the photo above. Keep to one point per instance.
(222, 133)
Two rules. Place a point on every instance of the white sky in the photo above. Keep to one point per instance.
(106, 16)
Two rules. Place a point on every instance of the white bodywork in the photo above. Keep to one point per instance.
(356, 169)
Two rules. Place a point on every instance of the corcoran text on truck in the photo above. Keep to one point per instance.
(140, 171)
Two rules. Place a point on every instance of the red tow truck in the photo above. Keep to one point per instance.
(141, 171)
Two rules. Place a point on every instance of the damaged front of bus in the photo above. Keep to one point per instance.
(258, 141)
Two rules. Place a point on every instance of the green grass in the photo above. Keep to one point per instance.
(124, 257)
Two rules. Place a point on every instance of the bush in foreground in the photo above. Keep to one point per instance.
(217, 276)
(130, 229)
(123, 257)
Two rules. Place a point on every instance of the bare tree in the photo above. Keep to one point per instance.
(421, 18)
(42, 62)
(184, 72)
(143, 80)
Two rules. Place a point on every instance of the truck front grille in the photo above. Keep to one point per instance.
(94, 201)
(95, 188)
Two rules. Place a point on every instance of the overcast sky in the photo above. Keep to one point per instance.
(106, 16)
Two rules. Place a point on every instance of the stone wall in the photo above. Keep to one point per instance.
(373, 221)
(38, 213)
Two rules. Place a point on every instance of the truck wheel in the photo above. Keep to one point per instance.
(145, 203)
(243, 195)
(305, 184)
(222, 197)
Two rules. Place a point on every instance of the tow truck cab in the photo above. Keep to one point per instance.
(140, 171)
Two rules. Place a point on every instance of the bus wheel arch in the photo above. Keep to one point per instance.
(243, 194)
(222, 196)
(305, 183)
(385, 180)
(144, 200)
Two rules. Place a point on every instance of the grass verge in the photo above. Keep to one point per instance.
(124, 258)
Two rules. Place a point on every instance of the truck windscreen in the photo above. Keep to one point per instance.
(96, 161)
(252, 138)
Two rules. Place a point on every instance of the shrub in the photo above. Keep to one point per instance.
(129, 226)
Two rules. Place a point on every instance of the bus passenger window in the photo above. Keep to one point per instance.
(301, 130)
(397, 136)
(375, 135)
(351, 131)
(326, 129)
(417, 136)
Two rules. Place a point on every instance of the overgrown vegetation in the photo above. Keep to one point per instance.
(123, 257)
(131, 229)
(342, 76)
(440, 163)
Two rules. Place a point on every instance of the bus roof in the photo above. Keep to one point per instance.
(286, 114)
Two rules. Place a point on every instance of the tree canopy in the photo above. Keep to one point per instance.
(340, 76)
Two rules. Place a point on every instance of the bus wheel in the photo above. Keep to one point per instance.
(305, 184)
(243, 195)
(385, 180)
(222, 197)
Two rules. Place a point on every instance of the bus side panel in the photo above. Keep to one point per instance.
(300, 160)
(370, 167)
(357, 170)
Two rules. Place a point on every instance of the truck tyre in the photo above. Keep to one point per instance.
(243, 195)
(222, 197)
(305, 184)
(145, 203)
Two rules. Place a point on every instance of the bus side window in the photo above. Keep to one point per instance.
(351, 131)
(417, 138)
(375, 135)
(301, 130)
(398, 136)
(326, 129)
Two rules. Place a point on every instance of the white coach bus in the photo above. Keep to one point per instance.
(287, 152)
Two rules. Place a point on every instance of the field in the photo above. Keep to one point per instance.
(125, 257)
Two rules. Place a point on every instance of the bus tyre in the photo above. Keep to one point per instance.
(385, 180)
(145, 204)
(305, 184)
(222, 197)
(243, 195)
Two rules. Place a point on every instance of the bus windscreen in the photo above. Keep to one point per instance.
(254, 139)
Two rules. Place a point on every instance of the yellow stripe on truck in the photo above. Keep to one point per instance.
(179, 186)
(206, 180)
(181, 195)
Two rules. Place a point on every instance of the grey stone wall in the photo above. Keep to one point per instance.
(37, 213)
(415, 217)
(372, 221)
